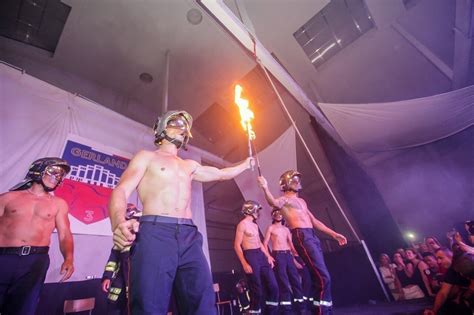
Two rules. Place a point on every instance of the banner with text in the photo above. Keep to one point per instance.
(95, 171)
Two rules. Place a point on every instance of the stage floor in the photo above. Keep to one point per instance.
(414, 307)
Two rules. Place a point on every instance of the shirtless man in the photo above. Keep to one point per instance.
(168, 251)
(28, 216)
(301, 222)
(285, 267)
(256, 260)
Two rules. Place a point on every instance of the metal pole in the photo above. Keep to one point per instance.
(166, 77)
(366, 249)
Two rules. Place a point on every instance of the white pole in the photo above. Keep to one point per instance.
(166, 77)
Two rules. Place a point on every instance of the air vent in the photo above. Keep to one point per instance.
(34, 22)
(336, 26)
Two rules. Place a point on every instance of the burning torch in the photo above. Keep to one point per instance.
(246, 116)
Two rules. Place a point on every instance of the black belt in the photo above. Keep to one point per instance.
(253, 250)
(24, 250)
(165, 219)
(281, 251)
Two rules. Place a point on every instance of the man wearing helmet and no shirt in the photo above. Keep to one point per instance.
(285, 266)
(28, 216)
(256, 261)
(301, 223)
(168, 252)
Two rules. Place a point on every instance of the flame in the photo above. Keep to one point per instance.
(246, 115)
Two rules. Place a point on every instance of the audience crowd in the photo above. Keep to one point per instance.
(444, 272)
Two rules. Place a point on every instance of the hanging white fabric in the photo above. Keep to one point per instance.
(389, 126)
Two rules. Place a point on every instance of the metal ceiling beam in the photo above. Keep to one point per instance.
(463, 32)
(424, 51)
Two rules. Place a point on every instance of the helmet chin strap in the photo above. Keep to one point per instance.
(179, 144)
(49, 189)
(254, 219)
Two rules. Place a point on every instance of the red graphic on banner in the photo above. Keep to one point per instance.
(87, 203)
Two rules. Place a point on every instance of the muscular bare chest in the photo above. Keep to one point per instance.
(169, 170)
(292, 203)
(251, 231)
(30, 208)
(279, 236)
(295, 212)
(292, 206)
(279, 232)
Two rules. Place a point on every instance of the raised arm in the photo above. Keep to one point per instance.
(262, 182)
(341, 239)
(66, 244)
(239, 236)
(210, 173)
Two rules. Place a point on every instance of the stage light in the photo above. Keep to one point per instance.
(410, 235)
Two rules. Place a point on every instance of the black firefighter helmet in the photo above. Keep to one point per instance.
(38, 168)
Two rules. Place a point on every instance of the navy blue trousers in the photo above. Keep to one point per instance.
(260, 280)
(168, 257)
(21, 281)
(306, 281)
(308, 247)
(289, 282)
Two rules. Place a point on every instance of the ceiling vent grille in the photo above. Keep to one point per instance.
(334, 27)
(34, 22)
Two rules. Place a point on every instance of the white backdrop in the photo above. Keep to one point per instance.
(35, 119)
